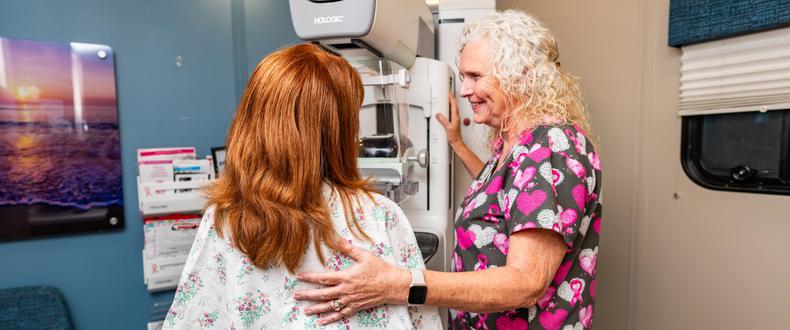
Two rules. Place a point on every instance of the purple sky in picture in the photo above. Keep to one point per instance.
(54, 150)
(48, 67)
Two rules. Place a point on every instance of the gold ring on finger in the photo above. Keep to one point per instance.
(337, 305)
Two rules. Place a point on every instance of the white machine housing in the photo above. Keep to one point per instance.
(386, 153)
(403, 31)
(430, 210)
(396, 30)
(368, 31)
(451, 16)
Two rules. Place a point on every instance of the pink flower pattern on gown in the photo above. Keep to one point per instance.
(551, 180)
(220, 288)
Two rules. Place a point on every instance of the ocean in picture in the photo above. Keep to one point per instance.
(59, 138)
(58, 162)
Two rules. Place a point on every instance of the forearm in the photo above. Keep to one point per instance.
(476, 292)
(533, 259)
(472, 164)
(532, 262)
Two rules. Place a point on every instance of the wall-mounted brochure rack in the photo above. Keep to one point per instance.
(171, 213)
(170, 186)
(160, 198)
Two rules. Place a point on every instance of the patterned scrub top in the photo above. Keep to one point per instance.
(221, 289)
(551, 180)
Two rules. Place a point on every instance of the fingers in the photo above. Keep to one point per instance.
(335, 316)
(452, 126)
(319, 308)
(333, 278)
(454, 117)
(344, 247)
(454, 108)
(443, 120)
(356, 253)
(322, 294)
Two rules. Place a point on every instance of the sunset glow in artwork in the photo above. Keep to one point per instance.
(59, 140)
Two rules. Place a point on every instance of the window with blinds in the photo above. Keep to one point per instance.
(735, 106)
(747, 73)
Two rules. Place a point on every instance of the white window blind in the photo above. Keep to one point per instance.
(741, 74)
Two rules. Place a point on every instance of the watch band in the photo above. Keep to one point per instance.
(418, 291)
(417, 277)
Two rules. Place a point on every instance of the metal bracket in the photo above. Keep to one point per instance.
(401, 78)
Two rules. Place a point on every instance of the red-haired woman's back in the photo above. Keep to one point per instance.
(290, 188)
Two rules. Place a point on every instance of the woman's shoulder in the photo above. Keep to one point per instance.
(388, 205)
(209, 212)
(378, 204)
(208, 216)
(558, 138)
(382, 201)
(208, 225)
(382, 208)
(364, 200)
(365, 204)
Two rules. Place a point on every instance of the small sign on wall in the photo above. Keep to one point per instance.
(60, 159)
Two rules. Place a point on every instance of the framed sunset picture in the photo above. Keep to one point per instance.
(60, 159)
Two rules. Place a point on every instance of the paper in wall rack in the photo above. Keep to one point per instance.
(161, 198)
(170, 180)
(170, 186)
(168, 240)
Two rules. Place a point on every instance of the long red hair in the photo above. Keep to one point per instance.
(295, 130)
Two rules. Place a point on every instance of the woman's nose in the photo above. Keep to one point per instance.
(467, 88)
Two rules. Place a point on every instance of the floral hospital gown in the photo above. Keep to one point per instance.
(221, 289)
(550, 180)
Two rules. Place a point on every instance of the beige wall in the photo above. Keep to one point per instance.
(603, 48)
(704, 260)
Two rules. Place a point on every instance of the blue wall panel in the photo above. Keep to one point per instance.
(160, 104)
(694, 21)
(260, 27)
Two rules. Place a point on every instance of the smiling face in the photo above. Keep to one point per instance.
(479, 85)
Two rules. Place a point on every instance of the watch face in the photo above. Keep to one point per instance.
(417, 294)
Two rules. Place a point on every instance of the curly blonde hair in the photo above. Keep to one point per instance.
(525, 59)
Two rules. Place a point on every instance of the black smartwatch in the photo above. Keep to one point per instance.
(417, 291)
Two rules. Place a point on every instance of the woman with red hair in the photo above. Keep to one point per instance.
(289, 197)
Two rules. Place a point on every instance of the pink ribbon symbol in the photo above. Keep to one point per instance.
(493, 211)
(576, 287)
(482, 262)
(516, 163)
(147, 191)
(469, 208)
(556, 227)
(481, 321)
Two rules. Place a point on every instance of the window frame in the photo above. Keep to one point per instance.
(691, 151)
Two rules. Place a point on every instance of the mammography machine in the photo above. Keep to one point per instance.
(402, 146)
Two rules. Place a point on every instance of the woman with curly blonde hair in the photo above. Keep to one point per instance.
(527, 231)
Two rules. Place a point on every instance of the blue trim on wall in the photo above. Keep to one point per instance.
(263, 23)
(159, 105)
(239, 45)
(694, 21)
